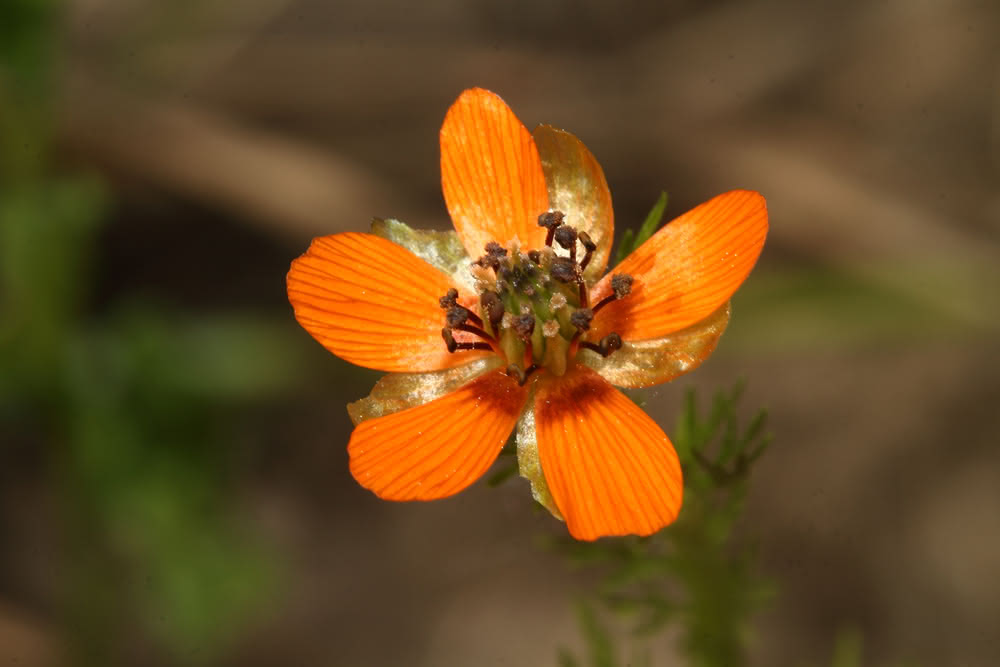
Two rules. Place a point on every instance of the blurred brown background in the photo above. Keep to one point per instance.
(227, 134)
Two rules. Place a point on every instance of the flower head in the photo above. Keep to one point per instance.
(510, 323)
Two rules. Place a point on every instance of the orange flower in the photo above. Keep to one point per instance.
(528, 335)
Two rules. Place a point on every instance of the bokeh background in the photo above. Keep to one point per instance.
(173, 477)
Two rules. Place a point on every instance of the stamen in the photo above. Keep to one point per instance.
(475, 319)
(450, 299)
(621, 283)
(449, 340)
(589, 246)
(475, 330)
(550, 221)
(494, 249)
(621, 286)
(608, 344)
(566, 237)
(456, 316)
(611, 342)
(495, 257)
(456, 319)
(492, 308)
(581, 319)
(564, 269)
(454, 345)
(535, 256)
(488, 262)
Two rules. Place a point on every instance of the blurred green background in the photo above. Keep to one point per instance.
(173, 476)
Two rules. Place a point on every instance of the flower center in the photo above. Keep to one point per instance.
(534, 306)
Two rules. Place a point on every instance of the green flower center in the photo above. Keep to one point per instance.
(534, 306)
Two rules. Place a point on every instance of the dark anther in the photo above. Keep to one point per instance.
(450, 303)
(494, 249)
(608, 344)
(520, 375)
(450, 299)
(621, 283)
(492, 308)
(524, 325)
(589, 246)
(550, 221)
(621, 286)
(535, 256)
(563, 269)
(489, 262)
(581, 318)
(566, 237)
(456, 316)
(611, 342)
(454, 345)
(449, 340)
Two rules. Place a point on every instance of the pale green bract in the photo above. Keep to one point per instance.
(529, 465)
(442, 250)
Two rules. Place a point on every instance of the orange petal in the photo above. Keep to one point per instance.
(439, 448)
(491, 173)
(643, 363)
(687, 270)
(372, 303)
(609, 467)
(577, 187)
